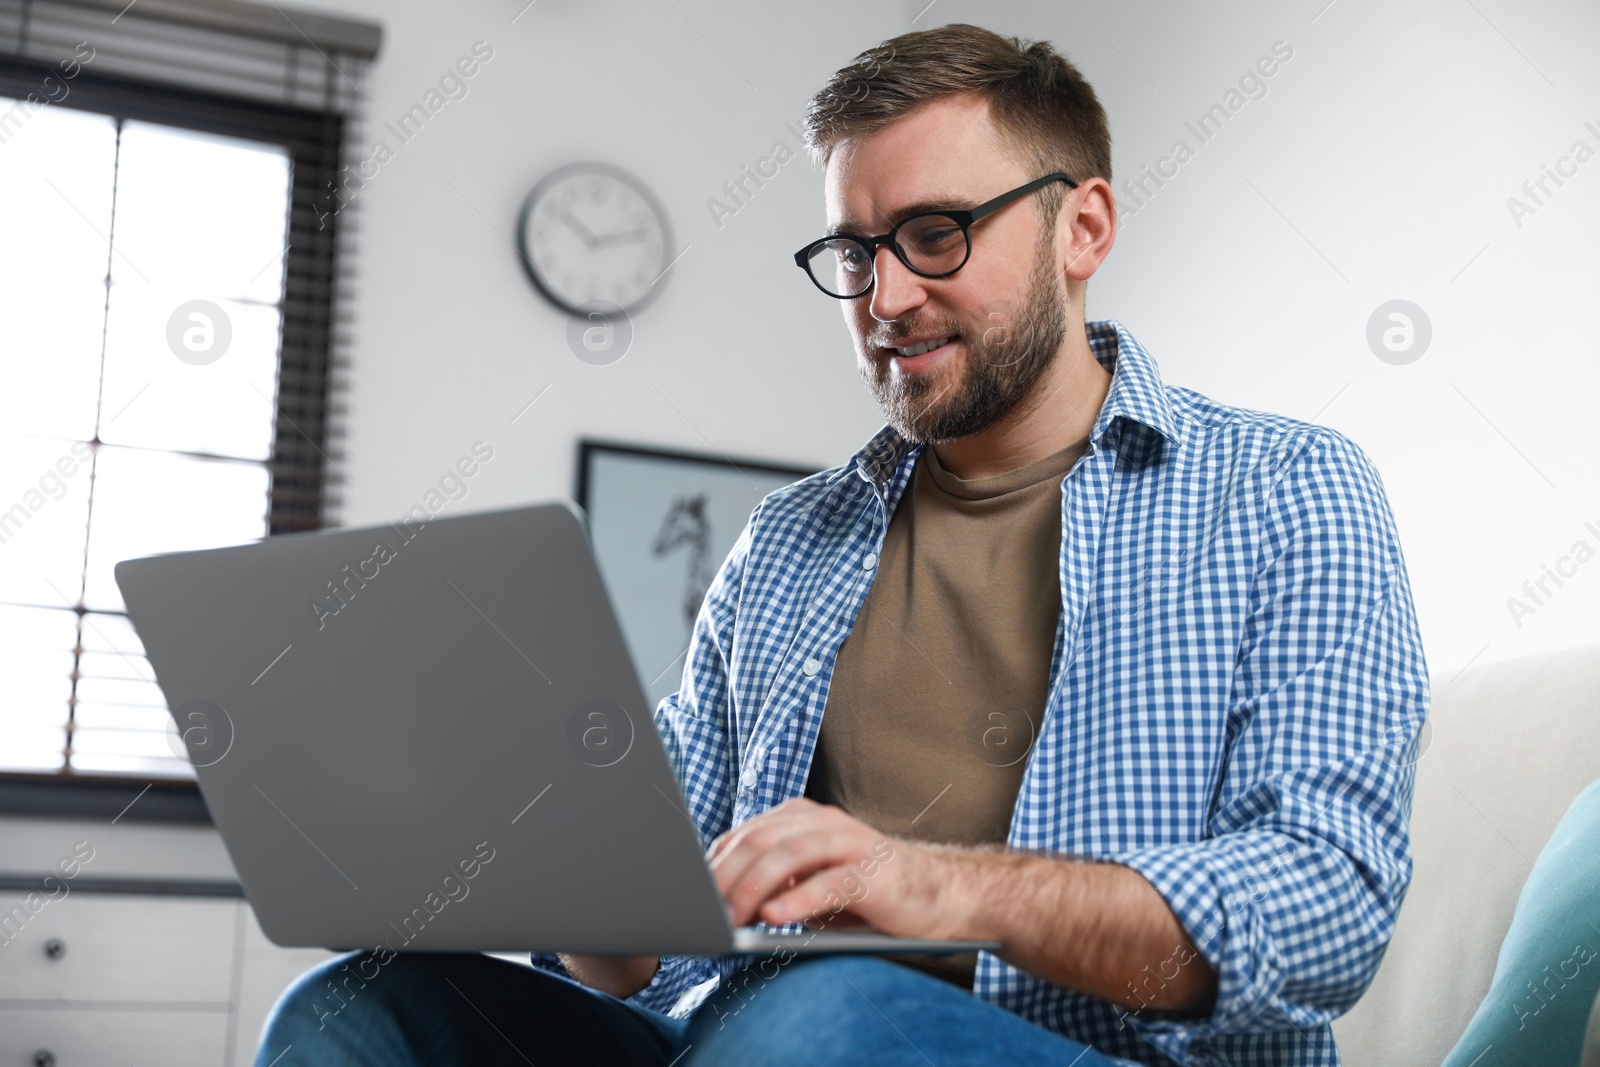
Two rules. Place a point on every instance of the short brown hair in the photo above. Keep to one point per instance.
(1039, 101)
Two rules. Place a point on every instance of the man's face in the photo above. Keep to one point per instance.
(1005, 310)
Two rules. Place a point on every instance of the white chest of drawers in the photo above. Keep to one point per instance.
(99, 977)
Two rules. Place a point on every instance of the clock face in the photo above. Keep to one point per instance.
(592, 235)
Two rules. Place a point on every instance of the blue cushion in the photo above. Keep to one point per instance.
(1548, 971)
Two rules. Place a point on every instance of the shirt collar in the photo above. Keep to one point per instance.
(1137, 396)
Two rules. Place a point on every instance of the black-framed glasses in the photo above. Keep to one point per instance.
(934, 244)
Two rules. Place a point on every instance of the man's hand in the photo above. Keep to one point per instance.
(1098, 928)
(621, 976)
(804, 860)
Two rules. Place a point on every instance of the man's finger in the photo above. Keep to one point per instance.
(731, 837)
(790, 857)
(821, 899)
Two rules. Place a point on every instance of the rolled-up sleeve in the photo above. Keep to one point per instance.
(1292, 895)
(693, 724)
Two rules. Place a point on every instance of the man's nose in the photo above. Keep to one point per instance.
(895, 288)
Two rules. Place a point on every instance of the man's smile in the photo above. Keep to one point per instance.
(903, 359)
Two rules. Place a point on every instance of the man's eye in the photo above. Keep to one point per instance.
(935, 238)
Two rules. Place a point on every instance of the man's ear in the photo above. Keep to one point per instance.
(1086, 228)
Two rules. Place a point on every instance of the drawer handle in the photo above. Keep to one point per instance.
(55, 948)
(44, 1058)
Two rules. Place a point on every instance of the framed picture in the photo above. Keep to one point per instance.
(662, 522)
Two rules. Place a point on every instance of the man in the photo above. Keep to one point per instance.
(1100, 669)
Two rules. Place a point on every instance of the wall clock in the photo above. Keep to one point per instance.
(591, 232)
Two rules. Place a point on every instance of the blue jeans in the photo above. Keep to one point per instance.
(469, 1008)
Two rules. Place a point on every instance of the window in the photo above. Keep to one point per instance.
(167, 268)
(139, 234)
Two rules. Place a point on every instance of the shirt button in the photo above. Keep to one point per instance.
(869, 561)
(811, 666)
(750, 777)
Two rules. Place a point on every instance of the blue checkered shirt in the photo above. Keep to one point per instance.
(1233, 711)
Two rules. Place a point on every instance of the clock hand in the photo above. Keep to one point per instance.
(578, 228)
(617, 238)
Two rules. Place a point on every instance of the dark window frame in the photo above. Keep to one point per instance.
(298, 493)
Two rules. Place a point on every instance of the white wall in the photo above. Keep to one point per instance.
(738, 354)
(1376, 166)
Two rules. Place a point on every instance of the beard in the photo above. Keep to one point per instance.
(1001, 368)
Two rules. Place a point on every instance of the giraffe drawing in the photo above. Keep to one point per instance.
(686, 524)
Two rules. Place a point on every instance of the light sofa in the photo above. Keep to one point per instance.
(1511, 745)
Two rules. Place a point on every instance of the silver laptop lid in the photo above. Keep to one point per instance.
(429, 736)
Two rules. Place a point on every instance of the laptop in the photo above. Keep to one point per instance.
(430, 735)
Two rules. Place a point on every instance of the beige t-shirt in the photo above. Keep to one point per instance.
(938, 692)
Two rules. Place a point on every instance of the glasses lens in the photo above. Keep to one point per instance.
(934, 244)
(841, 266)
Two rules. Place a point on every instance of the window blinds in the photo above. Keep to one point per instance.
(265, 52)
